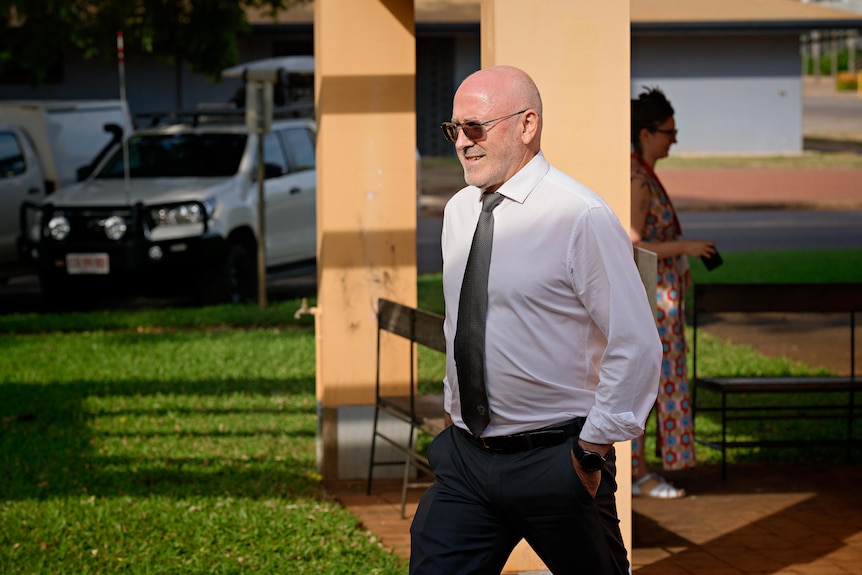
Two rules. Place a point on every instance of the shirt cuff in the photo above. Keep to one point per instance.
(604, 428)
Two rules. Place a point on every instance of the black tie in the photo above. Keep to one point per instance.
(472, 313)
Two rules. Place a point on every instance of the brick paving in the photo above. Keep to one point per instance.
(778, 519)
(765, 519)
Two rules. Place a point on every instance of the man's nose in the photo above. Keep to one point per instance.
(461, 139)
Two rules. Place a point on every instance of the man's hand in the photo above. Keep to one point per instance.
(590, 479)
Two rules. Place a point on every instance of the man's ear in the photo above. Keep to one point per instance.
(530, 126)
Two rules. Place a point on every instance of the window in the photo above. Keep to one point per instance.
(11, 156)
(300, 145)
(179, 156)
(275, 164)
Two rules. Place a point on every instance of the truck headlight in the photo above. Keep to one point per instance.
(58, 227)
(115, 227)
(178, 221)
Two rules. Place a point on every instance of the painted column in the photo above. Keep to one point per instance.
(365, 67)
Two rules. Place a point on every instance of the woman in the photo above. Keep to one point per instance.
(655, 227)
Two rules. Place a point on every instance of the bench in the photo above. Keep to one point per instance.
(778, 298)
(421, 413)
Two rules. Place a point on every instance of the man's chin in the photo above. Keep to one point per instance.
(471, 179)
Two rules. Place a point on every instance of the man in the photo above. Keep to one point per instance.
(571, 354)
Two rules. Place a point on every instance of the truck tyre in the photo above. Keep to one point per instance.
(232, 280)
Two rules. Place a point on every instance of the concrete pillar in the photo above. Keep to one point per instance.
(578, 53)
(365, 60)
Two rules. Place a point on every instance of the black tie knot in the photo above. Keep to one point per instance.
(490, 201)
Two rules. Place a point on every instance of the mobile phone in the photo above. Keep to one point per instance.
(712, 261)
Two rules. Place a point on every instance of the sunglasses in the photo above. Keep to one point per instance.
(474, 131)
(671, 133)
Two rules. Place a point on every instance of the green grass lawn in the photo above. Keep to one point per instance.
(181, 451)
(183, 440)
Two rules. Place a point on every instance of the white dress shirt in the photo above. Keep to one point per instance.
(570, 331)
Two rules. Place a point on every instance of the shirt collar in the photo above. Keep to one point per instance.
(519, 186)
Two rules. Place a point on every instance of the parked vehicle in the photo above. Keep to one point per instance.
(21, 179)
(181, 213)
(45, 145)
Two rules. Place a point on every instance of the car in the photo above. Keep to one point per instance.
(176, 209)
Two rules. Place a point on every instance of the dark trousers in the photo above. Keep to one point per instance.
(482, 503)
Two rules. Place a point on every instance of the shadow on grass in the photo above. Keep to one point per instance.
(55, 444)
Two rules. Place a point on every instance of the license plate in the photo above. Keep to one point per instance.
(88, 263)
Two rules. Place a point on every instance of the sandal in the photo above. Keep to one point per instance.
(660, 489)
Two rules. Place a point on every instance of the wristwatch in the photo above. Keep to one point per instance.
(589, 460)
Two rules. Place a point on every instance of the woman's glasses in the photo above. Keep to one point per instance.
(671, 133)
(474, 131)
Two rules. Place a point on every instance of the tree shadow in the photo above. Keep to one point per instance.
(50, 447)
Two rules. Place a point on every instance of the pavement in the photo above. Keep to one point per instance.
(764, 518)
(702, 189)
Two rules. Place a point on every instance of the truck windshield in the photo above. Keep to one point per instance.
(178, 156)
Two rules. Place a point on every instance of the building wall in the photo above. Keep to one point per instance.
(732, 94)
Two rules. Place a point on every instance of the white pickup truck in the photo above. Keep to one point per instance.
(175, 208)
(46, 145)
(176, 212)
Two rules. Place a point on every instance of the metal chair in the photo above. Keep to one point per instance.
(421, 413)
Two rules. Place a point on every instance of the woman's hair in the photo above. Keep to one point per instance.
(650, 109)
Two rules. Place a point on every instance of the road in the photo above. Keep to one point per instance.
(732, 230)
(775, 230)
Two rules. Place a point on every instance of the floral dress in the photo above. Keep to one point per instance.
(673, 406)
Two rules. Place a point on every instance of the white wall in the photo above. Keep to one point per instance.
(731, 94)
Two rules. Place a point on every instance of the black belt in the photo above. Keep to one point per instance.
(545, 437)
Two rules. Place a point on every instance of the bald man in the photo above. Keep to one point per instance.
(571, 355)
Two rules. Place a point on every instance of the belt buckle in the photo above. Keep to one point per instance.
(491, 447)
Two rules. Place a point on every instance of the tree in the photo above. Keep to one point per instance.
(202, 33)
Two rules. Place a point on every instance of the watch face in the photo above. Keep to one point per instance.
(592, 461)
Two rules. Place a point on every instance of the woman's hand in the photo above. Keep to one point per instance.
(698, 248)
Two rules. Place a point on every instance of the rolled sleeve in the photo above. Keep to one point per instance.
(608, 283)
